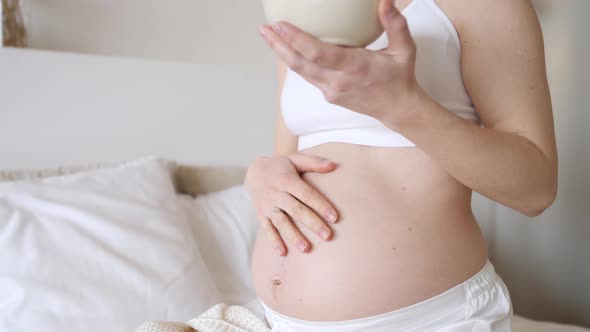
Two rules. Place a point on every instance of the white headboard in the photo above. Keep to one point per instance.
(59, 108)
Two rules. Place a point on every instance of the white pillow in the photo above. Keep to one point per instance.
(102, 250)
(224, 224)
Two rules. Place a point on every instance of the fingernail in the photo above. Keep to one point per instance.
(331, 215)
(325, 234)
(326, 162)
(261, 30)
(279, 250)
(302, 246)
(277, 28)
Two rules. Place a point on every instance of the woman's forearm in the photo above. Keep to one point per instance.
(505, 167)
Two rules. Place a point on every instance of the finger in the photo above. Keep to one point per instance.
(289, 231)
(395, 25)
(314, 50)
(309, 196)
(307, 163)
(298, 212)
(310, 71)
(275, 239)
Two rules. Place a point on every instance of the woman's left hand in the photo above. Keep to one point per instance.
(369, 82)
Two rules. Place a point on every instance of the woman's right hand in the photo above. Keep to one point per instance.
(280, 195)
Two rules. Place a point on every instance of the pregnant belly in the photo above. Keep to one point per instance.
(405, 233)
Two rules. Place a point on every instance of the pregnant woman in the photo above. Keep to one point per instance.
(365, 206)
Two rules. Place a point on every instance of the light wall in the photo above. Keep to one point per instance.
(201, 31)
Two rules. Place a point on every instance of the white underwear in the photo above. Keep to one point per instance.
(480, 304)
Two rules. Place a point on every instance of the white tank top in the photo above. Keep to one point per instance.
(315, 121)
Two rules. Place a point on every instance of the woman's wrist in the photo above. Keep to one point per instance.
(408, 110)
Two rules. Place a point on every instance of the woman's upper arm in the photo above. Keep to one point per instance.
(285, 141)
(503, 68)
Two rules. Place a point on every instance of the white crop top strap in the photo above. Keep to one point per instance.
(438, 70)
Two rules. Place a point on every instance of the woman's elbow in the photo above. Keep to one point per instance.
(540, 200)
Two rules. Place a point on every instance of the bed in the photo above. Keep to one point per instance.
(78, 127)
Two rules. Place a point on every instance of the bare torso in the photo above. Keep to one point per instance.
(406, 233)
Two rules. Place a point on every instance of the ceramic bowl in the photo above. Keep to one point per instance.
(352, 23)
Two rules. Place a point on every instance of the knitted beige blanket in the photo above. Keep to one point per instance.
(220, 318)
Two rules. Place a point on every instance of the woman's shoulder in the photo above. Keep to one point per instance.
(489, 16)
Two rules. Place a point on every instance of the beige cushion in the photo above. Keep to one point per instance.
(188, 179)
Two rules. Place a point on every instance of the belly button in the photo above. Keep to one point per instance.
(276, 281)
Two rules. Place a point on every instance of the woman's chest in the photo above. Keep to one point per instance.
(438, 70)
